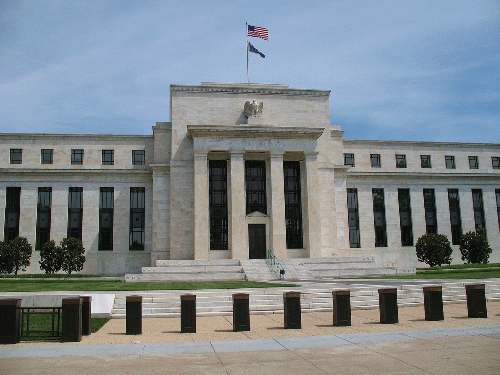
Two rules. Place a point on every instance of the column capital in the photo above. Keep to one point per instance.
(276, 154)
(311, 155)
(236, 153)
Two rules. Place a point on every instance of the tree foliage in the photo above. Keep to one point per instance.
(474, 248)
(73, 256)
(6, 265)
(19, 254)
(51, 257)
(434, 249)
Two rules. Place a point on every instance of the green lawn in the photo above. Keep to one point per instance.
(456, 271)
(41, 285)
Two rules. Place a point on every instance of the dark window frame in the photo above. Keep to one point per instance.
(353, 218)
(43, 216)
(379, 219)
(75, 212)
(473, 162)
(137, 218)
(425, 161)
(46, 156)
(218, 204)
(431, 225)
(455, 216)
(449, 161)
(138, 157)
(16, 156)
(106, 218)
(495, 162)
(478, 207)
(375, 160)
(293, 205)
(405, 219)
(12, 212)
(349, 159)
(255, 186)
(108, 157)
(497, 194)
(77, 156)
(400, 161)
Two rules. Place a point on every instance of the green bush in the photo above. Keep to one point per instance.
(51, 257)
(6, 265)
(19, 251)
(474, 248)
(72, 255)
(434, 249)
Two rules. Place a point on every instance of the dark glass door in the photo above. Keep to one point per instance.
(257, 241)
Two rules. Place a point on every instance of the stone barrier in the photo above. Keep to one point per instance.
(71, 330)
(292, 316)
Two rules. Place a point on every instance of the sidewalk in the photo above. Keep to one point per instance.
(457, 345)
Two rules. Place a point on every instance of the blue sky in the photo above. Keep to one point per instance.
(403, 70)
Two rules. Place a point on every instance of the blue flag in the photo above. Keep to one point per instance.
(254, 50)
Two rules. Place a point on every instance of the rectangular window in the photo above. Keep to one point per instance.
(497, 193)
(353, 218)
(400, 161)
(217, 195)
(430, 211)
(349, 159)
(106, 211)
(477, 203)
(16, 156)
(379, 218)
(43, 216)
(46, 156)
(450, 162)
(473, 162)
(495, 162)
(425, 161)
(138, 157)
(455, 216)
(108, 157)
(12, 213)
(405, 217)
(293, 205)
(375, 160)
(75, 212)
(255, 179)
(137, 216)
(77, 157)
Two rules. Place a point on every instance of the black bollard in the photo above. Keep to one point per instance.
(388, 305)
(134, 315)
(341, 307)
(476, 301)
(86, 315)
(241, 312)
(188, 313)
(433, 302)
(71, 319)
(10, 321)
(291, 304)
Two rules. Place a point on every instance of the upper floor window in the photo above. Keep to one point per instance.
(138, 157)
(16, 156)
(400, 161)
(349, 159)
(375, 160)
(255, 180)
(473, 162)
(450, 162)
(495, 162)
(77, 156)
(108, 157)
(46, 156)
(425, 161)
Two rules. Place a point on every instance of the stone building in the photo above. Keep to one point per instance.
(240, 169)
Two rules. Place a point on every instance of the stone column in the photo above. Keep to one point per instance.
(161, 212)
(313, 224)
(201, 209)
(238, 232)
(278, 225)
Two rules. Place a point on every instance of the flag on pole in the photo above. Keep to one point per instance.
(254, 50)
(257, 32)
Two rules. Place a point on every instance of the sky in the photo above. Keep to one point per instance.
(397, 70)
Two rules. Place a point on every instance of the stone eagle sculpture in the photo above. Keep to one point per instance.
(253, 109)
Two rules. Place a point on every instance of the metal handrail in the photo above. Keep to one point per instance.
(275, 265)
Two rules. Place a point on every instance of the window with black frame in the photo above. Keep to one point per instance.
(400, 161)
(430, 211)
(255, 179)
(353, 218)
(16, 156)
(46, 156)
(77, 156)
(43, 216)
(12, 213)
(375, 160)
(293, 205)
(137, 216)
(449, 161)
(75, 212)
(349, 159)
(455, 216)
(138, 157)
(379, 218)
(217, 195)
(497, 194)
(108, 157)
(106, 210)
(425, 161)
(477, 203)
(473, 162)
(405, 217)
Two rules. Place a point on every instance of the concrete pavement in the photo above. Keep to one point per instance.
(457, 345)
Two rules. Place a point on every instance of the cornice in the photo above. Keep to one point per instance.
(216, 131)
(355, 142)
(101, 138)
(424, 175)
(73, 171)
(248, 89)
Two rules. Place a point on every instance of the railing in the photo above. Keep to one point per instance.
(275, 265)
(40, 322)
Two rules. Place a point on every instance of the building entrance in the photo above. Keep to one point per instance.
(257, 241)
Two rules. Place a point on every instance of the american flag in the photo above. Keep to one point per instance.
(258, 32)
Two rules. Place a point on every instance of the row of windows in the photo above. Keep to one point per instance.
(47, 156)
(75, 215)
(405, 216)
(425, 161)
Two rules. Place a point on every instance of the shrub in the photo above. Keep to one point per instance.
(6, 265)
(434, 249)
(72, 255)
(20, 252)
(474, 248)
(51, 257)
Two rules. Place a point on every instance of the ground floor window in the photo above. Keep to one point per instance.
(353, 218)
(106, 208)
(137, 216)
(75, 212)
(12, 213)
(217, 195)
(379, 218)
(430, 211)
(293, 205)
(405, 217)
(455, 217)
(43, 216)
(477, 203)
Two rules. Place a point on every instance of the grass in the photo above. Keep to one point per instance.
(40, 285)
(54, 276)
(455, 271)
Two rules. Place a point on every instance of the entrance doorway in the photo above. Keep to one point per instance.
(257, 241)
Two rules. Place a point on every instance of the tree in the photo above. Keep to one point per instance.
(474, 248)
(20, 250)
(72, 255)
(434, 249)
(6, 265)
(51, 257)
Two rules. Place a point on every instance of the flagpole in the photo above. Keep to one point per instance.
(246, 32)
